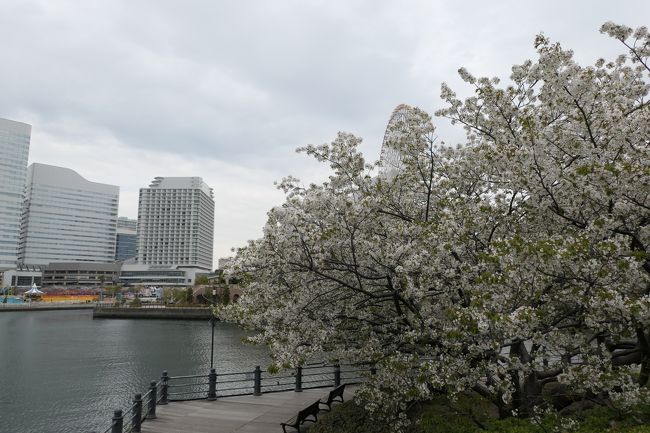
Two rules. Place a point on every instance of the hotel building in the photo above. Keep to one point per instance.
(176, 223)
(67, 218)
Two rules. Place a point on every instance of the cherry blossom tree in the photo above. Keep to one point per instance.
(515, 266)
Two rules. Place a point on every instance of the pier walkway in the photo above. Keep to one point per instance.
(244, 414)
(45, 306)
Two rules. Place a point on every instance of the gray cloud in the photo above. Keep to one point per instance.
(219, 84)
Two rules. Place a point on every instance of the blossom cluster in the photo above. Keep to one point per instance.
(516, 265)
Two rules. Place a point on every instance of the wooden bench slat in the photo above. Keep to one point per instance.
(333, 395)
(303, 416)
(313, 409)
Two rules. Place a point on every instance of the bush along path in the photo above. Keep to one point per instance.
(470, 413)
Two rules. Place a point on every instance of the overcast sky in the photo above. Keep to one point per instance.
(123, 91)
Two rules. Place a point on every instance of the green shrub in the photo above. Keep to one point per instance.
(136, 302)
(469, 414)
(348, 417)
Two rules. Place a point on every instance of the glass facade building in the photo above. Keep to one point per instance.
(127, 224)
(67, 218)
(126, 242)
(14, 151)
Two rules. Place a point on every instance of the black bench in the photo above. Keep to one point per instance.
(332, 396)
(303, 416)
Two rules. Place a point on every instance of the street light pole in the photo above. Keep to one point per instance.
(213, 320)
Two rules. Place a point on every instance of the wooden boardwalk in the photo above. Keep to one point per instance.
(245, 414)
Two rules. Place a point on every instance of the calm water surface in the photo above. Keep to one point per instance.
(63, 372)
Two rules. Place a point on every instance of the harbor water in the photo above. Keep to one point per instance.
(63, 372)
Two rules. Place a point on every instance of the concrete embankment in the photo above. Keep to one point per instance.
(44, 307)
(171, 313)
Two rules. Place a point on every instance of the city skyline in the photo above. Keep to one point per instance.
(52, 214)
(173, 95)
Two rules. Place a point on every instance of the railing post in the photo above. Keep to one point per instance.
(136, 420)
(212, 382)
(164, 388)
(298, 379)
(151, 414)
(257, 385)
(337, 375)
(118, 421)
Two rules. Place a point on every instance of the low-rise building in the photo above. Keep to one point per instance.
(22, 276)
(136, 274)
(80, 274)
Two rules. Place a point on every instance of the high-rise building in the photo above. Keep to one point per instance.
(127, 223)
(67, 218)
(126, 240)
(176, 223)
(14, 150)
(224, 262)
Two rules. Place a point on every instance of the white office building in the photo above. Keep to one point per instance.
(176, 223)
(67, 218)
(14, 150)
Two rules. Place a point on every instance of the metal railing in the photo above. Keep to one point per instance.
(152, 305)
(215, 385)
(43, 304)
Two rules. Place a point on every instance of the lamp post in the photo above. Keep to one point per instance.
(213, 320)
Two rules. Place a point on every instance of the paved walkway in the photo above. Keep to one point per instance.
(246, 414)
(44, 306)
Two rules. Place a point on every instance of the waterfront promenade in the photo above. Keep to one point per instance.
(243, 414)
(46, 306)
(152, 312)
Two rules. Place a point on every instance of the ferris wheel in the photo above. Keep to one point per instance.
(391, 157)
(402, 123)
